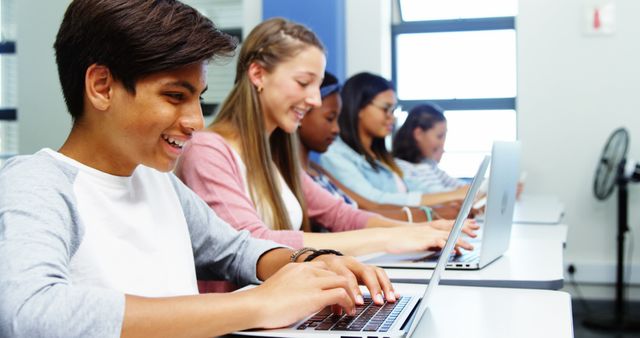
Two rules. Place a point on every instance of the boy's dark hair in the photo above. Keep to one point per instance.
(423, 116)
(358, 91)
(133, 38)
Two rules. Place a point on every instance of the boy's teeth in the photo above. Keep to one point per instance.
(173, 141)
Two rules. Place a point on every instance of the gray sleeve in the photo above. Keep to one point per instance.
(220, 251)
(39, 233)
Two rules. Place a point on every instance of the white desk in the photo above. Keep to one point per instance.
(469, 312)
(529, 263)
(538, 209)
(536, 231)
(495, 313)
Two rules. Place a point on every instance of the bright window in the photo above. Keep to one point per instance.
(421, 10)
(470, 136)
(456, 65)
(460, 55)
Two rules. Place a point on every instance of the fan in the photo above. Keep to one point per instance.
(614, 169)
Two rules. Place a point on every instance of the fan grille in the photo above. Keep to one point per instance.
(613, 156)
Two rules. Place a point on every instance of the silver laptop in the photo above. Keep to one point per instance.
(397, 319)
(495, 232)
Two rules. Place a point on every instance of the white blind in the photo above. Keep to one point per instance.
(226, 14)
(8, 81)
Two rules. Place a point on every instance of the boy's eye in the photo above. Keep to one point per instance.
(303, 84)
(175, 96)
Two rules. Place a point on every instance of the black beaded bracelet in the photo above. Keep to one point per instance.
(299, 252)
(322, 252)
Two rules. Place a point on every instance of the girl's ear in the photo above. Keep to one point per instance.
(98, 86)
(256, 75)
(417, 133)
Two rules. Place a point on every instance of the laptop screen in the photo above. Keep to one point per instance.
(451, 241)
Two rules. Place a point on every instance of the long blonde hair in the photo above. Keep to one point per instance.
(270, 43)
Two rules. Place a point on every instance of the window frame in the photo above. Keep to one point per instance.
(454, 25)
(447, 26)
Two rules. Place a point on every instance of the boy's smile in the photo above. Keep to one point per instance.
(122, 130)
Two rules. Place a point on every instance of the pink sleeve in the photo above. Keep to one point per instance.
(332, 212)
(208, 166)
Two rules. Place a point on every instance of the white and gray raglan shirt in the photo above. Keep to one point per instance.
(75, 240)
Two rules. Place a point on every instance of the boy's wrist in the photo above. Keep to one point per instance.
(257, 313)
(321, 252)
(301, 254)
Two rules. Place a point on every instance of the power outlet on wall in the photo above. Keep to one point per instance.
(571, 269)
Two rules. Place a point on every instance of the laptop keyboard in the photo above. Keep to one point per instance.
(368, 317)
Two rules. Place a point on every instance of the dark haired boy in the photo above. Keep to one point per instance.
(97, 239)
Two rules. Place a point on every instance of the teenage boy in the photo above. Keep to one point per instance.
(98, 239)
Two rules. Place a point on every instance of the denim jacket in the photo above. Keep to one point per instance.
(353, 170)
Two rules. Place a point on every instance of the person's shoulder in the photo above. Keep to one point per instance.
(35, 177)
(403, 163)
(207, 136)
(339, 147)
(39, 167)
(209, 140)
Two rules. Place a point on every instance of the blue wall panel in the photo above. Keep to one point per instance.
(325, 17)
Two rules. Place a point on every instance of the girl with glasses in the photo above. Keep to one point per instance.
(359, 158)
(319, 129)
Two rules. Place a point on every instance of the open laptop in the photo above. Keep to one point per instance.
(495, 232)
(397, 319)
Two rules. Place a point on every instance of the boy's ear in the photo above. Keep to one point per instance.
(98, 85)
(256, 72)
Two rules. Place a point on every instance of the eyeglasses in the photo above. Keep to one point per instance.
(386, 108)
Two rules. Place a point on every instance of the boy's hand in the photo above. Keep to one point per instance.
(357, 273)
(298, 290)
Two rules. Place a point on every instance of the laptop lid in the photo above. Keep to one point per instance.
(411, 315)
(451, 241)
(496, 230)
(501, 196)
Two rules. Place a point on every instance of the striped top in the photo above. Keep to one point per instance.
(427, 177)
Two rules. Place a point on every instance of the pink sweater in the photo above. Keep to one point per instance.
(208, 166)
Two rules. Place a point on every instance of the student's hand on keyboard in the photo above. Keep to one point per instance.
(420, 238)
(374, 278)
(298, 290)
(470, 226)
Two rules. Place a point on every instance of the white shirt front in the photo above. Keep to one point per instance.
(136, 238)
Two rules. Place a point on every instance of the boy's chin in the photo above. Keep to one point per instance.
(163, 167)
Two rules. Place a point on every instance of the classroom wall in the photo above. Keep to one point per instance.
(573, 90)
(43, 120)
(368, 36)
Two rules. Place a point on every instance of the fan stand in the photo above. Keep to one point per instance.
(620, 319)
